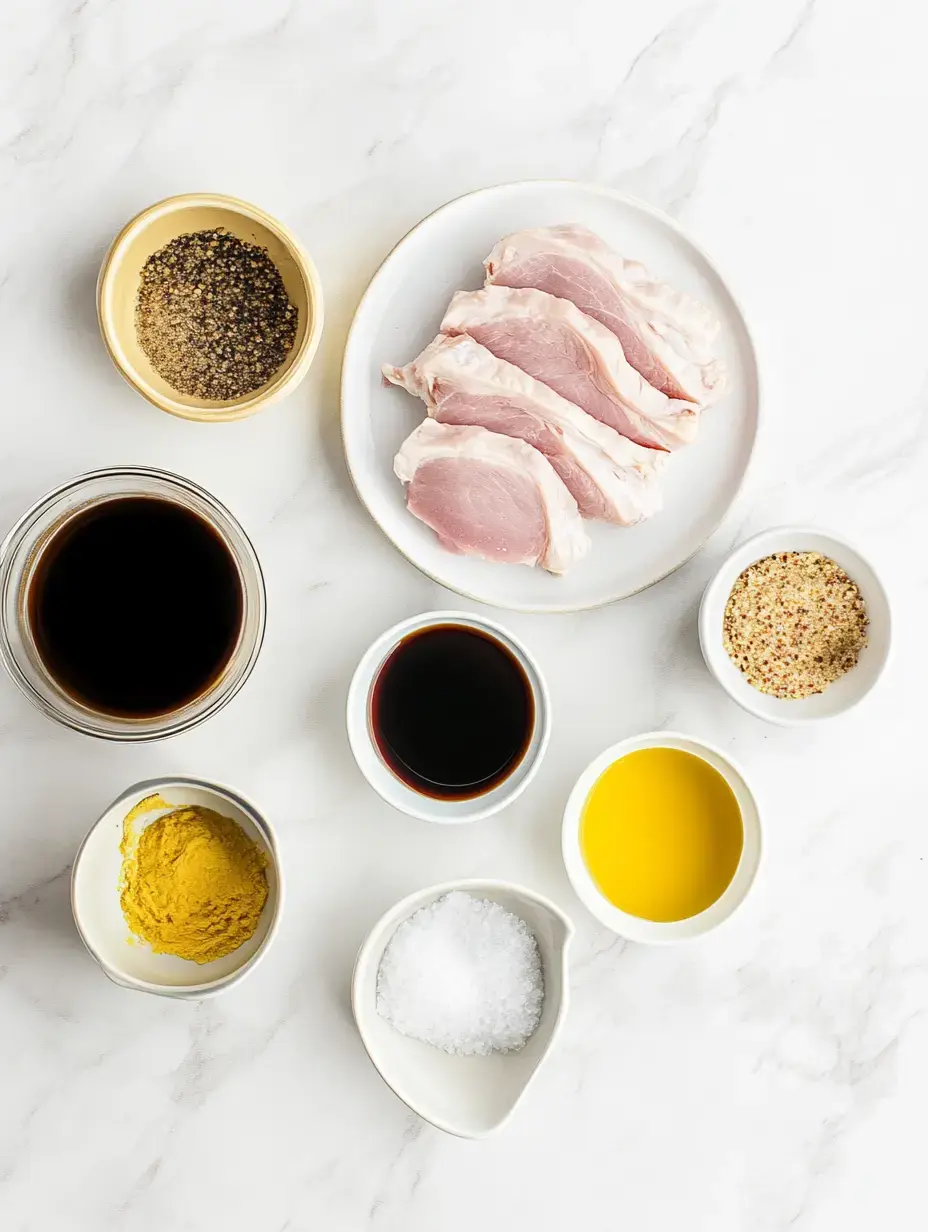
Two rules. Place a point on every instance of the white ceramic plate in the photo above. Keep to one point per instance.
(401, 311)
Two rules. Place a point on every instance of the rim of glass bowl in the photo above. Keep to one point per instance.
(58, 705)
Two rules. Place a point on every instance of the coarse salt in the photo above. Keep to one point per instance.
(464, 975)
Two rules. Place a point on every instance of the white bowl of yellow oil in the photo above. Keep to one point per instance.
(662, 837)
(96, 885)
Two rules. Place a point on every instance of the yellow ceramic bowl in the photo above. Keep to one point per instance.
(118, 286)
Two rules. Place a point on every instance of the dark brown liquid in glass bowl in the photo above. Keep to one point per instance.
(135, 606)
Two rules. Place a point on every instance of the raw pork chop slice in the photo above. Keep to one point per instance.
(610, 477)
(665, 334)
(556, 343)
(490, 496)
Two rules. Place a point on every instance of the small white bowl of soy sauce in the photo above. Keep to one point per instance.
(448, 717)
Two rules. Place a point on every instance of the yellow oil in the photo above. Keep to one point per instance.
(661, 834)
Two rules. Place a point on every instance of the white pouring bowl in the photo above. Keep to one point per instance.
(633, 927)
(470, 1097)
(95, 892)
(840, 696)
(378, 773)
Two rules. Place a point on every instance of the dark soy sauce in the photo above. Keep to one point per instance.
(452, 712)
(135, 606)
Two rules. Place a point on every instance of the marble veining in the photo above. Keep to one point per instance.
(772, 1077)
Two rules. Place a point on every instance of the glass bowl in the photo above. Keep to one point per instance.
(19, 557)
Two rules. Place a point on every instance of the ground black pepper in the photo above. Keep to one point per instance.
(213, 315)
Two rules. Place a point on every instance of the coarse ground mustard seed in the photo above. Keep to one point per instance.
(794, 624)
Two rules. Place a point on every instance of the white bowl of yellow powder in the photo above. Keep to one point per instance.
(176, 890)
(795, 626)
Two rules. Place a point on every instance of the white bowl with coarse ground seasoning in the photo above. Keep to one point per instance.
(795, 626)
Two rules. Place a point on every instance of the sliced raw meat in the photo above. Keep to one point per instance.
(490, 496)
(610, 477)
(556, 343)
(666, 335)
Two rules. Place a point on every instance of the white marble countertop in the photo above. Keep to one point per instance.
(773, 1076)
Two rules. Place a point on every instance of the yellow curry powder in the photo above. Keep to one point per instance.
(193, 882)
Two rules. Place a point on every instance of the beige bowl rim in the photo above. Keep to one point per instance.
(294, 369)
